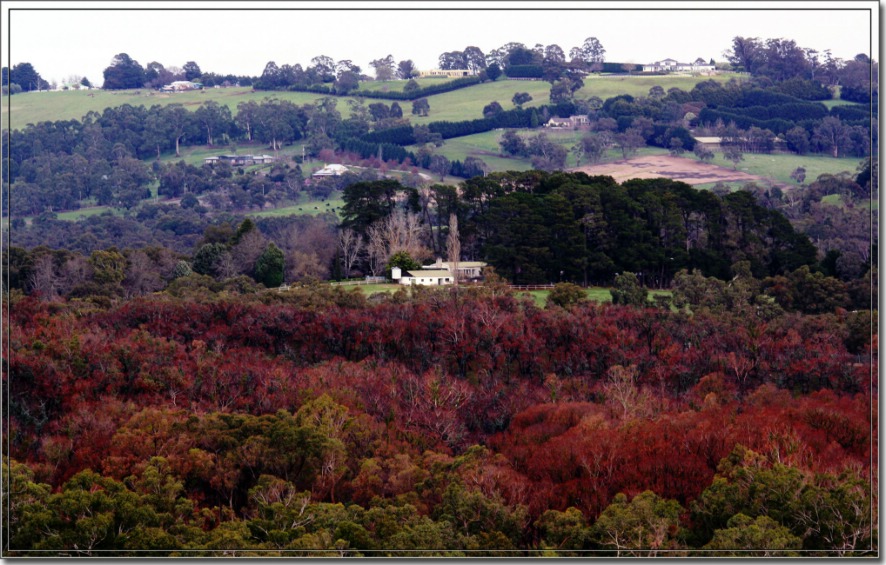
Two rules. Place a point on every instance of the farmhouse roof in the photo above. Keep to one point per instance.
(430, 273)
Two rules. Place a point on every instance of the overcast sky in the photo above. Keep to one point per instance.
(60, 43)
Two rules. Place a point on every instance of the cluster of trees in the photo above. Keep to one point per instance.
(537, 227)
(314, 422)
(200, 254)
(124, 72)
(22, 78)
(783, 61)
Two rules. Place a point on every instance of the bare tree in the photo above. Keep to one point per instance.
(403, 231)
(376, 248)
(248, 250)
(227, 267)
(453, 247)
(43, 279)
(351, 245)
(75, 272)
(141, 275)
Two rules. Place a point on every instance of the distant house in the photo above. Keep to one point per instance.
(181, 86)
(712, 143)
(451, 73)
(572, 122)
(673, 66)
(334, 170)
(440, 273)
(239, 160)
(559, 123)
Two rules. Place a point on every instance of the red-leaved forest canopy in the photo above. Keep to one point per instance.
(454, 421)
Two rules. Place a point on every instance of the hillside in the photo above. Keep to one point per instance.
(464, 104)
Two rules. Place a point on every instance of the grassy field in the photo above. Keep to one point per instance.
(485, 146)
(310, 207)
(607, 86)
(33, 107)
(595, 294)
(463, 104)
(540, 297)
(397, 85)
(779, 166)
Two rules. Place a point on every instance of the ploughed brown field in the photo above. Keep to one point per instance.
(683, 169)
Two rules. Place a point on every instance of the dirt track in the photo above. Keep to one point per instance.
(683, 169)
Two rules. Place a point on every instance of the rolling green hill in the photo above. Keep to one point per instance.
(463, 104)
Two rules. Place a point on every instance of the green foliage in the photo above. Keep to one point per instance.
(643, 527)
(269, 267)
(564, 532)
(109, 266)
(403, 260)
(628, 290)
(566, 295)
(749, 537)
(182, 269)
(206, 259)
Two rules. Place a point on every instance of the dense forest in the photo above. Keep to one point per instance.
(319, 421)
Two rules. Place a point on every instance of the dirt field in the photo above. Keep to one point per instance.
(683, 169)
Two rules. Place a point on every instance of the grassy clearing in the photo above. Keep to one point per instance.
(779, 166)
(75, 215)
(833, 200)
(837, 102)
(308, 208)
(595, 294)
(485, 146)
(607, 86)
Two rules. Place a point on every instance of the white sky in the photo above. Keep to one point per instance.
(78, 41)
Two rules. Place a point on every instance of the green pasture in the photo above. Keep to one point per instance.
(462, 104)
(307, 208)
(33, 107)
(607, 86)
(397, 85)
(839, 102)
(485, 146)
(540, 297)
(779, 166)
(594, 294)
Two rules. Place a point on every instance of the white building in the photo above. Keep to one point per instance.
(439, 273)
(672, 65)
(181, 85)
(333, 170)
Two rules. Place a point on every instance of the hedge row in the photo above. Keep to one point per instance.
(524, 71)
(446, 86)
(402, 135)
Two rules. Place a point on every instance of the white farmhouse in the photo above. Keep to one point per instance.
(440, 273)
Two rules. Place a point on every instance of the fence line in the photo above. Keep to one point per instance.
(357, 283)
(532, 286)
